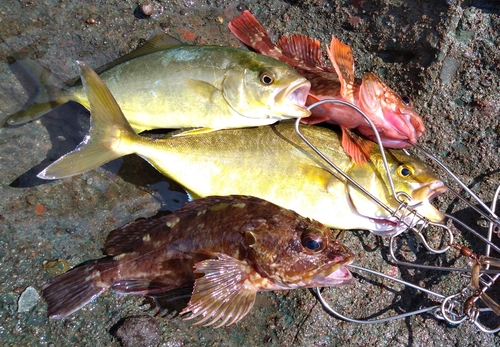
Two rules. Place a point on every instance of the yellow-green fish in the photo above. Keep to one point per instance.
(169, 85)
(269, 162)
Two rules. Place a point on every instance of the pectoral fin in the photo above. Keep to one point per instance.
(225, 294)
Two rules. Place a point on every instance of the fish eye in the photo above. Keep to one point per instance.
(407, 101)
(313, 241)
(404, 171)
(266, 78)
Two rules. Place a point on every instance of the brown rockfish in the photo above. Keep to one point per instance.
(397, 123)
(229, 247)
(169, 85)
(269, 162)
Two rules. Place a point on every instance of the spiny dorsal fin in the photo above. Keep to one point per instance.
(248, 30)
(302, 47)
(158, 41)
(341, 56)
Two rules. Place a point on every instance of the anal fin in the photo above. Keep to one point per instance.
(356, 147)
(142, 286)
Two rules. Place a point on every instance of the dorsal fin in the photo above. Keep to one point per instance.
(158, 41)
(302, 47)
(248, 30)
(341, 56)
(124, 239)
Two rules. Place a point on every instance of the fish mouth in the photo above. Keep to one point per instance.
(426, 194)
(341, 276)
(335, 275)
(393, 225)
(401, 126)
(429, 191)
(293, 99)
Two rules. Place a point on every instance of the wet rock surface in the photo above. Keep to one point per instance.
(142, 331)
(443, 54)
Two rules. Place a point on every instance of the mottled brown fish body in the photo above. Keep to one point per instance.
(249, 244)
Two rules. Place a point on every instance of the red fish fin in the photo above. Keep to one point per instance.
(356, 147)
(249, 31)
(302, 47)
(72, 290)
(224, 295)
(341, 56)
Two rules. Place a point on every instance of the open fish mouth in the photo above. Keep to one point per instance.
(429, 191)
(340, 276)
(335, 275)
(393, 225)
(294, 97)
(401, 125)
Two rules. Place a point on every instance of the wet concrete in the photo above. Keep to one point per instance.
(443, 54)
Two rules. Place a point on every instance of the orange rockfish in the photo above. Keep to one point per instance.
(398, 125)
(228, 247)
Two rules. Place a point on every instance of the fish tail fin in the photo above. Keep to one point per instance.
(49, 91)
(248, 30)
(110, 135)
(72, 290)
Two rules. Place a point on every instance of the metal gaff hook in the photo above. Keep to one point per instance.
(418, 218)
(330, 310)
(445, 311)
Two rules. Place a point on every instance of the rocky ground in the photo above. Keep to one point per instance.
(443, 54)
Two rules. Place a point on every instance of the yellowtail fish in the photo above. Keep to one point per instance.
(270, 162)
(237, 246)
(169, 85)
(397, 123)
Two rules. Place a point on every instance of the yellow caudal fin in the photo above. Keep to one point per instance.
(108, 129)
(49, 88)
